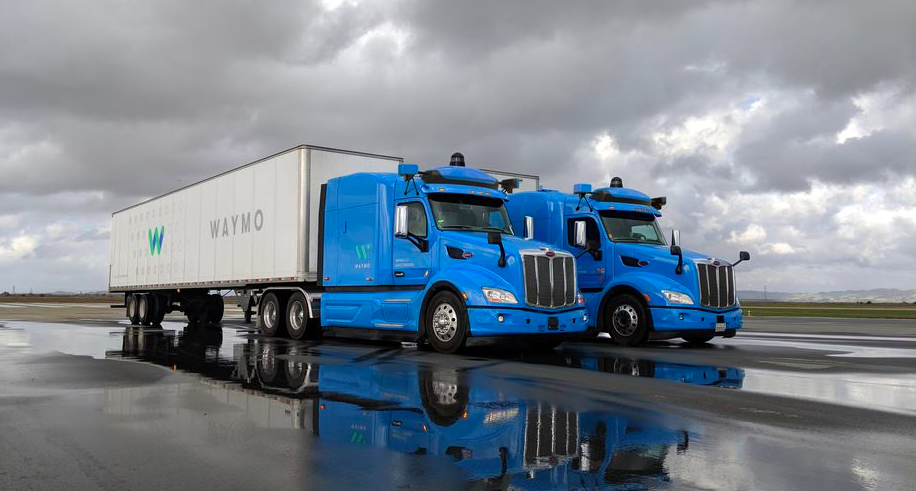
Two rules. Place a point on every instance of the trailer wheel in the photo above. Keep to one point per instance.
(297, 316)
(157, 309)
(215, 309)
(272, 315)
(627, 320)
(132, 309)
(446, 322)
(144, 309)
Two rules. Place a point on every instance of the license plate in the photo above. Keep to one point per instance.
(720, 326)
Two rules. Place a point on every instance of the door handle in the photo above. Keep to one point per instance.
(398, 274)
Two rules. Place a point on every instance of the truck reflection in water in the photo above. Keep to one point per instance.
(381, 400)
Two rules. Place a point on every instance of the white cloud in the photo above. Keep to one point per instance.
(18, 247)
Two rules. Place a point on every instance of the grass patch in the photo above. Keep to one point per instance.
(847, 312)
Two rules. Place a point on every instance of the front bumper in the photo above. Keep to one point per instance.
(523, 321)
(690, 319)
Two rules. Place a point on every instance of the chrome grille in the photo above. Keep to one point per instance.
(549, 281)
(551, 435)
(717, 284)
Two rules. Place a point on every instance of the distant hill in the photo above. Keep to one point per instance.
(878, 295)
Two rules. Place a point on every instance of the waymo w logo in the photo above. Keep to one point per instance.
(362, 251)
(156, 236)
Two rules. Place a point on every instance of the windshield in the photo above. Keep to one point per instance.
(628, 226)
(463, 212)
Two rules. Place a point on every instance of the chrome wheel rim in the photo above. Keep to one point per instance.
(270, 315)
(144, 305)
(626, 320)
(445, 322)
(445, 388)
(131, 306)
(296, 316)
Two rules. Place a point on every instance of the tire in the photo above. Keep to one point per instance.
(634, 368)
(267, 364)
(697, 340)
(215, 309)
(157, 312)
(132, 312)
(444, 394)
(271, 313)
(446, 323)
(144, 309)
(297, 316)
(196, 310)
(627, 320)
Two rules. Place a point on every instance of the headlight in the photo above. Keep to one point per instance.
(677, 297)
(497, 295)
(580, 299)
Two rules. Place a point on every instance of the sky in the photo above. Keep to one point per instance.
(784, 128)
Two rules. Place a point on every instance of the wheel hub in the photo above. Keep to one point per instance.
(626, 320)
(445, 322)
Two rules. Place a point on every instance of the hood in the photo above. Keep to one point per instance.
(660, 261)
(486, 255)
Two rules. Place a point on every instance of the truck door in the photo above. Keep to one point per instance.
(412, 254)
(590, 270)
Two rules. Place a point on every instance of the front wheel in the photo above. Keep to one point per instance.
(627, 321)
(446, 323)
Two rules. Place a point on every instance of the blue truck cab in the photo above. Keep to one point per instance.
(636, 285)
(431, 257)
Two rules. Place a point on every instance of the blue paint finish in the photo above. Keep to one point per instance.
(378, 281)
(599, 278)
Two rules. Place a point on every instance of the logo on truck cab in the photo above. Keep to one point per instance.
(236, 224)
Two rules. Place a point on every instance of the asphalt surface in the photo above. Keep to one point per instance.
(96, 404)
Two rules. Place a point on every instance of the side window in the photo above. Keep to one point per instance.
(416, 219)
(591, 230)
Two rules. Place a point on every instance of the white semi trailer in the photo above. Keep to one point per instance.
(253, 227)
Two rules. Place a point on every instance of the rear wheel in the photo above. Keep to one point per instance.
(297, 316)
(215, 309)
(157, 309)
(271, 312)
(627, 320)
(446, 323)
(144, 311)
(697, 340)
(132, 309)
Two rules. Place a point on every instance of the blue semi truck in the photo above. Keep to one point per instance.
(322, 240)
(636, 285)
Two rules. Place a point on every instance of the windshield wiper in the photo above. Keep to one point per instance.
(457, 227)
(496, 229)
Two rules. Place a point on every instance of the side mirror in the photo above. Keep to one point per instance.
(580, 233)
(497, 238)
(675, 237)
(676, 251)
(742, 256)
(400, 221)
(529, 228)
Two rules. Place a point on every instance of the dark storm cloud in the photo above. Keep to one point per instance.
(105, 103)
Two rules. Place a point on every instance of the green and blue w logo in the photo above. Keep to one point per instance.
(362, 251)
(156, 236)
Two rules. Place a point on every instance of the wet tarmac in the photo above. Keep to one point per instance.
(90, 405)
